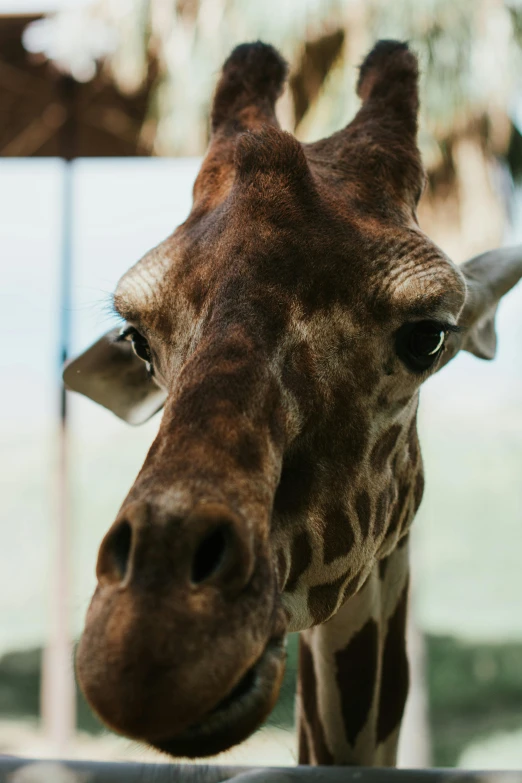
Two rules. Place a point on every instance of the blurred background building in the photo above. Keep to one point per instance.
(103, 116)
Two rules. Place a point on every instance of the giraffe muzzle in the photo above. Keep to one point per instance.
(183, 644)
(239, 713)
(217, 545)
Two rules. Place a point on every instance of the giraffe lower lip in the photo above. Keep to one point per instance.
(238, 714)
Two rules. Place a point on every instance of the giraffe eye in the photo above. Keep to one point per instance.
(420, 344)
(139, 343)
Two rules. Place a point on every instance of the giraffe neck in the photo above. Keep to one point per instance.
(353, 673)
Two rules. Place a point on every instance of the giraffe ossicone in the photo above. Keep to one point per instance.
(285, 328)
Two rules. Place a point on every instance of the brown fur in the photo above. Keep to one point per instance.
(289, 431)
(356, 676)
(394, 682)
(321, 751)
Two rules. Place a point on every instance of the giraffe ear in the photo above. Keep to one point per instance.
(112, 375)
(488, 277)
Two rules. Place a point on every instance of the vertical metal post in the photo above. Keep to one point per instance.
(58, 709)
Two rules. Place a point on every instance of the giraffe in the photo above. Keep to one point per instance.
(285, 329)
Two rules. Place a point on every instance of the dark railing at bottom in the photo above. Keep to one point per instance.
(16, 770)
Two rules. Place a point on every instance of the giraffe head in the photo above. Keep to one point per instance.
(286, 328)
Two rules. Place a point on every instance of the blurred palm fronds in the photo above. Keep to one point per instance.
(470, 54)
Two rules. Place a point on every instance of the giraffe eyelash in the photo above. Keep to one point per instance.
(451, 328)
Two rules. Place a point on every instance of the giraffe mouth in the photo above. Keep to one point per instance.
(239, 713)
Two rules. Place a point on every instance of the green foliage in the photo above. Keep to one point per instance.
(20, 681)
(283, 715)
(474, 690)
(20, 684)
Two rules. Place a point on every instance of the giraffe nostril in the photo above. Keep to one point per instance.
(115, 553)
(210, 555)
(222, 548)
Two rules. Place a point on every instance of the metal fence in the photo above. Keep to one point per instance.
(31, 771)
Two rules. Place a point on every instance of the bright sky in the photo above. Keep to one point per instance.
(38, 6)
(121, 209)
